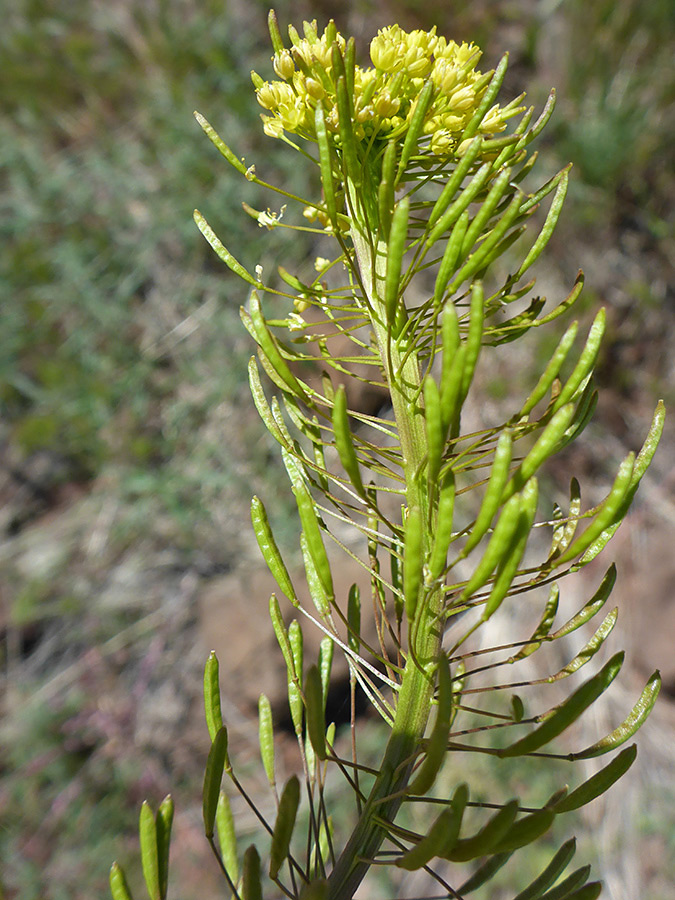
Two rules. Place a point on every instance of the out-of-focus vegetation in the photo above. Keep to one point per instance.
(125, 429)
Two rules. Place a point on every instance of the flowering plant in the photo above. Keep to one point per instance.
(421, 200)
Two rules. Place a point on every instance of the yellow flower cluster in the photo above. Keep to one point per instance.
(383, 99)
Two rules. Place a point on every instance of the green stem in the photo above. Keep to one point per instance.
(415, 696)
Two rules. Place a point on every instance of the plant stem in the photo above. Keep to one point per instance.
(415, 697)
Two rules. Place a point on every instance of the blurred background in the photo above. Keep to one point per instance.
(129, 448)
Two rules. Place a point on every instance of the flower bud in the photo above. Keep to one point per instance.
(284, 65)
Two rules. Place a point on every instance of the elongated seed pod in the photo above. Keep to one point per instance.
(544, 626)
(632, 723)
(222, 251)
(227, 838)
(346, 130)
(414, 129)
(325, 165)
(215, 138)
(567, 712)
(284, 825)
(454, 182)
(270, 550)
(450, 257)
(443, 530)
(487, 207)
(215, 765)
(275, 34)
(317, 591)
(147, 830)
(497, 546)
(486, 99)
(163, 823)
(454, 211)
(585, 363)
(251, 887)
(549, 225)
(261, 403)
(590, 648)
(591, 607)
(544, 447)
(525, 831)
(395, 250)
(214, 718)
(482, 842)
(266, 738)
(269, 347)
(354, 617)
(314, 707)
(551, 873)
(600, 782)
(550, 373)
(499, 475)
(386, 190)
(435, 431)
(118, 883)
(412, 561)
(432, 844)
(326, 650)
(344, 441)
(437, 745)
(474, 337)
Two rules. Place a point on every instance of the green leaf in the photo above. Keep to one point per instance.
(147, 830)
(284, 825)
(118, 883)
(600, 782)
(215, 764)
(551, 873)
(214, 718)
(634, 720)
(163, 823)
(562, 716)
(227, 838)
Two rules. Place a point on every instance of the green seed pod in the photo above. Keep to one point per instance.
(563, 534)
(435, 432)
(498, 545)
(326, 649)
(481, 843)
(454, 183)
(268, 345)
(314, 707)
(215, 764)
(214, 718)
(220, 144)
(474, 338)
(251, 888)
(385, 192)
(450, 257)
(548, 227)
(561, 717)
(590, 648)
(486, 100)
(487, 207)
(437, 744)
(346, 130)
(325, 165)
(544, 626)
(412, 561)
(316, 589)
(354, 617)
(295, 670)
(344, 441)
(545, 446)
(415, 123)
(222, 252)
(270, 550)
(284, 825)
(443, 530)
(600, 782)
(434, 843)
(593, 606)
(118, 883)
(633, 721)
(499, 475)
(525, 831)
(484, 873)
(163, 823)
(147, 830)
(395, 249)
(275, 34)
(454, 211)
(585, 363)
(280, 632)
(551, 873)
(227, 838)
(261, 403)
(266, 738)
